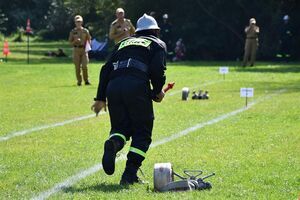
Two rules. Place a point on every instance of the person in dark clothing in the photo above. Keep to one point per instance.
(166, 31)
(59, 53)
(285, 42)
(135, 64)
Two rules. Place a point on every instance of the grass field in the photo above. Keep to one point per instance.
(254, 152)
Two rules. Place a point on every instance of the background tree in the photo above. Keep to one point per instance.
(17, 13)
(97, 17)
(210, 29)
(3, 19)
(215, 29)
(59, 21)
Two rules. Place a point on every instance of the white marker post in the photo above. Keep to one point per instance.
(247, 92)
(223, 70)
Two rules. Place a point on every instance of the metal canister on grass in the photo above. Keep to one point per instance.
(185, 93)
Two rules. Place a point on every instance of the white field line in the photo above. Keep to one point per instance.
(85, 173)
(39, 128)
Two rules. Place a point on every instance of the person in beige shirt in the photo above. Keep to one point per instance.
(78, 38)
(251, 42)
(121, 28)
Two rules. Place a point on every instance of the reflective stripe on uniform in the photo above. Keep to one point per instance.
(119, 135)
(136, 42)
(137, 151)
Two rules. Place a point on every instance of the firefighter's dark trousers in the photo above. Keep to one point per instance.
(131, 115)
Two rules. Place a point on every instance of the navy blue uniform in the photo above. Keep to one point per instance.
(166, 34)
(285, 41)
(136, 64)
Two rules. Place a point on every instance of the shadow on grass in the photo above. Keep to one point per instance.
(40, 48)
(218, 63)
(103, 187)
(37, 53)
(283, 68)
(67, 86)
(48, 60)
(272, 67)
(74, 85)
(43, 60)
(40, 52)
(62, 44)
(203, 63)
(271, 86)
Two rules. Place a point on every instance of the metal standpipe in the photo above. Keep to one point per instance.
(164, 179)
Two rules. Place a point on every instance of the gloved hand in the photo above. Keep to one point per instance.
(98, 106)
(159, 97)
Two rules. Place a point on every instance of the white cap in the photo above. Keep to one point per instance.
(252, 21)
(286, 17)
(120, 10)
(165, 16)
(78, 18)
(146, 22)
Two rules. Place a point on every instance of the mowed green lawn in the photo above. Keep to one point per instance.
(255, 153)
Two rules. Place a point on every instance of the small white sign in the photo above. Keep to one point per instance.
(223, 70)
(247, 92)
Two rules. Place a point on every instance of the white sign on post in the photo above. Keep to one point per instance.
(247, 92)
(223, 70)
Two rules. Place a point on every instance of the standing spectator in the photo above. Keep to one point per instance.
(120, 28)
(166, 31)
(179, 50)
(285, 41)
(78, 38)
(251, 42)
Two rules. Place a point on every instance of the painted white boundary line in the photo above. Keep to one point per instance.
(85, 173)
(38, 128)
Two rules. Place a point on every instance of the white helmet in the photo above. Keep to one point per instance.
(252, 21)
(146, 22)
(286, 17)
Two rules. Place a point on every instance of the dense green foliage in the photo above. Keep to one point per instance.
(210, 29)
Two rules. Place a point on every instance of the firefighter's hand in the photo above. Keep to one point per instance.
(159, 97)
(98, 106)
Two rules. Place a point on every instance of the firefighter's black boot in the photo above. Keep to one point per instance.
(111, 147)
(129, 176)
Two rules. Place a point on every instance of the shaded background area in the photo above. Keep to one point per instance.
(211, 30)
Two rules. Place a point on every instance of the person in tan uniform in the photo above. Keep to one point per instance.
(121, 28)
(78, 38)
(251, 42)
